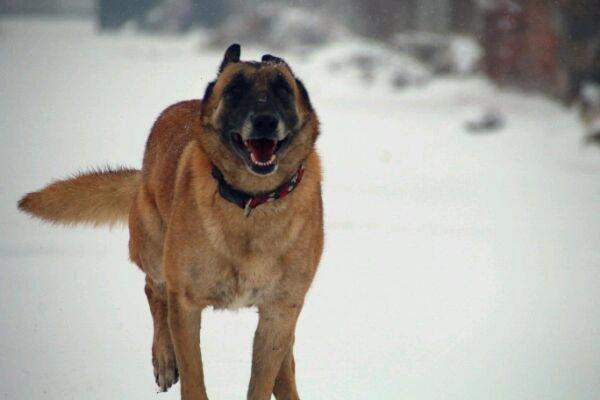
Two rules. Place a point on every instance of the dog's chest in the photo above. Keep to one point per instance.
(248, 284)
(245, 259)
(252, 262)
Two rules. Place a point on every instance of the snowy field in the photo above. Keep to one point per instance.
(457, 266)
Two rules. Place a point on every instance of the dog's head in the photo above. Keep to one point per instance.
(260, 112)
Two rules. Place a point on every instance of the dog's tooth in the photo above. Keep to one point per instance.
(271, 160)
(262, 163)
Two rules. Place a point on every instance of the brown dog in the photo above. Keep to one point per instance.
(226, 212)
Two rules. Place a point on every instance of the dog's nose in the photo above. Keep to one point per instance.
(265, 124)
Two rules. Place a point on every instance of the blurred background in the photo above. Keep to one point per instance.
(460, 142)
(551, 46)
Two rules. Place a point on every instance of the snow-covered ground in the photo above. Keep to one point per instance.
(457, 266)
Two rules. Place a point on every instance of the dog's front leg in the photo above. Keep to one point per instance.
(184, 323)
(272, 344)
(285, 383)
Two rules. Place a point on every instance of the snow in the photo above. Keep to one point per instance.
(366, 63)
(442, 53)
(464, 54)
(456, 266)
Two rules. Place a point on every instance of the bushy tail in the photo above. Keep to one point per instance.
(98, 197)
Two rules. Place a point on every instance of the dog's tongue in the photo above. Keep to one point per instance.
(262, 149)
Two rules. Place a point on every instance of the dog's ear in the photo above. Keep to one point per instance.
(271, 59)
(232, 55)
(208, 91)
(268, 58)
(304, 94)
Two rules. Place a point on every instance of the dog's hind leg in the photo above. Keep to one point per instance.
(163, 353)
(145, 250)
(285, 383)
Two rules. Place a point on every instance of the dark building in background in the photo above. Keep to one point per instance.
(464, 16)
(113, 14)
(374, 18)
(521, 45)
(552, 46)
(580, 50)
(163, 15)
(72, 7)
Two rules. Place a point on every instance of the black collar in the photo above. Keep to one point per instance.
(249, 201)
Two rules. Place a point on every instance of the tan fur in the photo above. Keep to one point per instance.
(198, 250)
(100, 197)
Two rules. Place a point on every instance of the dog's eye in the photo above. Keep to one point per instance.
(234, 93)
(282, 88)
(234, 90)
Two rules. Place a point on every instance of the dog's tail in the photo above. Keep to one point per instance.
(101, 197)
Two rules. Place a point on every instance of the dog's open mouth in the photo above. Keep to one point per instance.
(260, 153)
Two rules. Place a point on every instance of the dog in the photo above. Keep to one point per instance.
(225, 212)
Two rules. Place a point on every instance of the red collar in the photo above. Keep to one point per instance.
(249, 201)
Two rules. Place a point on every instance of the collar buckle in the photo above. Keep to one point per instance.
(247, 208)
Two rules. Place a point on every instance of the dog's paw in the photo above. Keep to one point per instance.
(165, 369)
